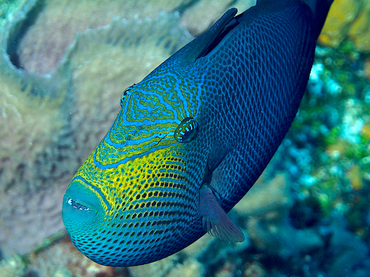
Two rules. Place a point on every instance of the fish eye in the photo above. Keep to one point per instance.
(124, 94)
(187, 130)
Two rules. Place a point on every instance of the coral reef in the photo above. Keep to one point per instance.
(330, 129)
(30, 125)
(197, 21)
(269, 224)
(62, 259)
(55, 25)
(50, 123)
(192, 260)
(312, 248)
(348, 20)
(12, 266)
(7, 7)
(126, 52)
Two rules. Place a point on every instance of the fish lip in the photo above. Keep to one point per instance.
(80, 181)
(79, 198)
(76, 205)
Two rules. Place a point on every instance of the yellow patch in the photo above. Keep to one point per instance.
(132, 184)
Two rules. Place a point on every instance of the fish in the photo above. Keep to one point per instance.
(193, 136)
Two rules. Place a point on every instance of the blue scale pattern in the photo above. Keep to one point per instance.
(135, 199)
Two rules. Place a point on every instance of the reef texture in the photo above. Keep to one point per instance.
(55, 24)
(348, 20)
(63, 66)
(51, 122)
(12, 266)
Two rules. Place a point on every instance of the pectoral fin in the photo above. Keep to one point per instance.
(214, 219)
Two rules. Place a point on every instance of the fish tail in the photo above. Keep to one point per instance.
(319, 8)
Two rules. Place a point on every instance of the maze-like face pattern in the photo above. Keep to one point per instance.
(138, 176)
(215, 119)
(150, 114)
(147, 202)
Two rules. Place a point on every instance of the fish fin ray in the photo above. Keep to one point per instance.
(203, 44)
(215, 220)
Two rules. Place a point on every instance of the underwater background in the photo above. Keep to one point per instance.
(63, 67)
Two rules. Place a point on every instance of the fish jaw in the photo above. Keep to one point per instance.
(82, 209)
(139, 174)
(148, 211)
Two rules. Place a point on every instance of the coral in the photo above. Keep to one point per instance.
(56, 23)
(7, 7)
(329, 140)
(27, 221)
(348, 19)
(62, 259)
(50, 123)
(255, 270)
(31, 127)
(367, 68)
(341, 15)
(159, 268)
(354, 174)
(170, 268)
(26, 131)
(61, 272)
(197, 21)
(40, 49)
(12, 266)
(360, 30)
(191, 267)
(349, 254)
(193, 260)
(268, 206)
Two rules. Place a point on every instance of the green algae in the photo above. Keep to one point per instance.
(7, 7)
(332, 117)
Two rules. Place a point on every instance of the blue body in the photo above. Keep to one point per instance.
(193, 136)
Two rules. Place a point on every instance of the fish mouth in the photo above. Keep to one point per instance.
(76, 205)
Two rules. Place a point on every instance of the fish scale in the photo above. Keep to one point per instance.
(193, 136)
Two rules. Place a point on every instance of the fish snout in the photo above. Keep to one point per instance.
(81, 210)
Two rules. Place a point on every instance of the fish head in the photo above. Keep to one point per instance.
(133, 200)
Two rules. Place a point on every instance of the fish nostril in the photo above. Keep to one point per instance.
(77, 205)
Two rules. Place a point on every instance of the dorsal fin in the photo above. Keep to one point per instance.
(201, 44)
(218, 31)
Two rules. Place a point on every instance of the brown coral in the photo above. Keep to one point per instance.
(56, 23)
(52, 122)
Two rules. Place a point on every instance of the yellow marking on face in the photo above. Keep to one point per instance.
(132, 185)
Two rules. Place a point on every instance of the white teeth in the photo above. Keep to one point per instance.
(77, 205)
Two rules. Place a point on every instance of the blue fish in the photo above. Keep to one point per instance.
(194, 135)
